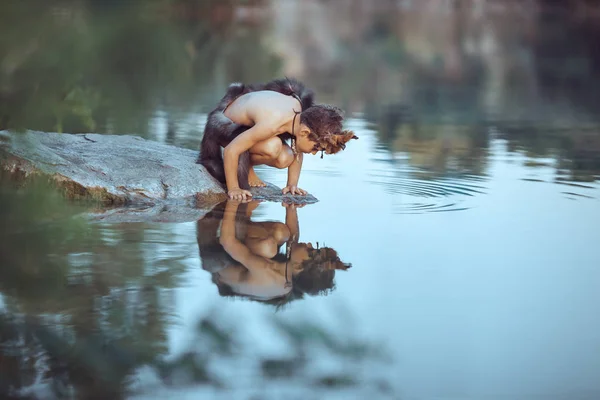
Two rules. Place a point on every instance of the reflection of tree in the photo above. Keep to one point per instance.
(220, 340)
(84, 305)
(84, 309)
(244, 258)
(576, 151)
(436, 149)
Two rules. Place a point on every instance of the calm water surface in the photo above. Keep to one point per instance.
(485, 285)
(458, 236)
(473, 286)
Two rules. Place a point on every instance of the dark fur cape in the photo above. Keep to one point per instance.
(220, 130)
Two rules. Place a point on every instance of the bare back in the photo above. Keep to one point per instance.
(265, 107)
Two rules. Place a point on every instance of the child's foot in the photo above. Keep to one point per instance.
(254, 180)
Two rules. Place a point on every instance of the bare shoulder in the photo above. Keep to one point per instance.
(273, 108)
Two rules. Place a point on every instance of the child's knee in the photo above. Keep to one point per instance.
(272, 148)
(277, 154)
(286, 157)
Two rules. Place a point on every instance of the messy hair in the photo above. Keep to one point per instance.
(325, 124)
(316, 277)
(317, 272)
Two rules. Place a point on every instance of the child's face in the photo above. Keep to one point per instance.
(310, 146)
(300, 252)
(304, 144)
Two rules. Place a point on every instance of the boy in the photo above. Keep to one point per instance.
(252, 124)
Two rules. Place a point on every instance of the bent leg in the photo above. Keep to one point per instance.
(218, 132)
(272, 152)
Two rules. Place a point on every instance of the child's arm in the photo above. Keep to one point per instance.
(231, 155)
(291, 220)
(231, 244)
(294, 176)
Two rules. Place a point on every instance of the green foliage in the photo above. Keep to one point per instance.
(85, 66)
(35, 220)
(89, 302)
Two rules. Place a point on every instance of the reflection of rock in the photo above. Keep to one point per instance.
(120, 170)
(171, 213)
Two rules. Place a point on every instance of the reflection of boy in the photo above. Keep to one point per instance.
(258, 271)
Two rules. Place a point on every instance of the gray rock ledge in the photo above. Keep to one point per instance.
(122, 170)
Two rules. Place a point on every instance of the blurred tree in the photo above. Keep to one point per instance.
(84, 305)
(82, 66)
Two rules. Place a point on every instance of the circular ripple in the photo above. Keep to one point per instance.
(415, 195)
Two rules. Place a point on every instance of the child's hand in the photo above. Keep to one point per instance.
(239, 194)
(293, 189)
(292, 206)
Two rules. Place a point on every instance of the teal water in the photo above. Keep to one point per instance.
(469, 211)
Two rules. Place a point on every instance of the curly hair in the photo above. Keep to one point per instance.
(325, 124)
(317, 273)
(316, 277)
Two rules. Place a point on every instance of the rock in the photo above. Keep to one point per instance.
(114, 169)
(273, 193)
(122, 170)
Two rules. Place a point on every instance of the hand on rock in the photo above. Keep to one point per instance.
(293, 190)
(239, 194)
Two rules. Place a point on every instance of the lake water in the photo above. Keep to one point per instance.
(469, 211)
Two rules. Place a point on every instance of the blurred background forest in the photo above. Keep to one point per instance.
(530, 68)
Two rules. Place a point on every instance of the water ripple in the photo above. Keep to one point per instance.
(418, 195)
